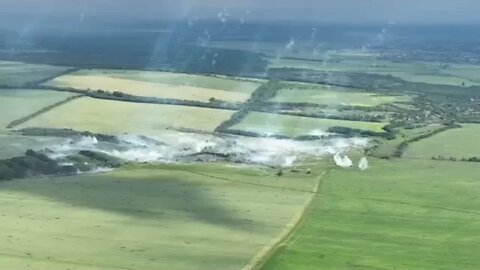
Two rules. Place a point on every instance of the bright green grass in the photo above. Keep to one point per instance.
(457, 143)
(416, 215)
(19, 74)
(159, 84)
(330, 95)
(16, 104)
(292, 126)
(211, 217)
(114, 117)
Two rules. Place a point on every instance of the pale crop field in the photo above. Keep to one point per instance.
(16, 104)
(292, 126)
(19, 74)
(331, 95)
(458, 143)
(159, 84)
(184, 217)
(115, 117)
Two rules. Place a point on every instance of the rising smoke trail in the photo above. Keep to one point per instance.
(363, 164)
(343, 161)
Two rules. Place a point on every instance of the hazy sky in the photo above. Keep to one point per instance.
(400, 11)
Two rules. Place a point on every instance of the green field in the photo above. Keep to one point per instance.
(423, 72)
(292, 126)
(16, 104)
(332, 96)
(159, 84)
(457, 143)
(470, 72)
(20, 74)
(168, 217)
(114, 117)
(414, 215)
(388, 147)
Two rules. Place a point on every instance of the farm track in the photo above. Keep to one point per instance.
(41, 111)
(259, 260)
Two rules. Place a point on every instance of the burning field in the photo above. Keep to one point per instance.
(182, 147)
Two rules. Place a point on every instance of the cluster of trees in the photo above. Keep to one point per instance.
(434, 103)
(263, 93)
(37, 164)
(235, 119)
(86, 161)
(32, 164)
(351, 132)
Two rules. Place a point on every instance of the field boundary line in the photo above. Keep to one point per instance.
(53, 77)
(24, 119)
(259, 260)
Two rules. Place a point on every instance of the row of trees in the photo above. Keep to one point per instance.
(463, 159)
(265, 92)
(400, 150)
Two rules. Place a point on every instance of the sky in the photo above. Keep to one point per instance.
(348, 11)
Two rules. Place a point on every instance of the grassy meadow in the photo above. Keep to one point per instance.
(16, 104)
(292, 126)
(404, 214)
(166, 217)
(17, 74)
(422, 72)
(457, 143)
(115, 117)
(159, 84)
(387, 148)
(331, 95)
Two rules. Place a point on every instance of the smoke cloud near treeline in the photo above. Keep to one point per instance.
(175, 147)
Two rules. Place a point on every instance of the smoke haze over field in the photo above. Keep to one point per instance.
(180, 147)
(350, 11)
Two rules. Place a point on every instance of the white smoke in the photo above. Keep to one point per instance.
(86, 141)
(319, 133)
(174, 146)
(290, 44)
(363, 164)
(343, 161)
(223, 16)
